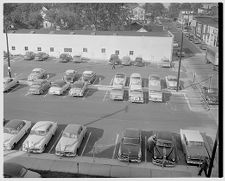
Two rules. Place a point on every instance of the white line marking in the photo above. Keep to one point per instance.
(106, 93)
(86, 144)
(145, 150)
(189, 106)
(56, 141)
(114, 151)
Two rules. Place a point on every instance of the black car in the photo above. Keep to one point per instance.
(130, 146)
(164, 151)
(138, 62)
(210, 95)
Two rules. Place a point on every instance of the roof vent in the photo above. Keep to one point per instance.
(72, 33)
(32, 32)
(93, 33)
(51, 32)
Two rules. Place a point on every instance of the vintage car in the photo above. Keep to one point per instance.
(119, 80)
(135, 79)
(138, 62)
(211, 95)
(64, 58)
(164, 150)
(130, 146)
(165, 63)
(78, 88)
(9, 83)
(29, 56)
(70, 76)
(58, 87)
(37, 73)
(41, 56)
(77, 59)
(193, 146)
(88, 77)
(14, 130)
(39, 86)
(15, 170)
(171, 82)
(126, 60)
(117, 93)
(114, 58)
(136, 94)
(155, 89)
(70, 140)
(39, 136)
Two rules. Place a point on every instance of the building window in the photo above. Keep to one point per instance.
(51, 49)
(67, 49)
(26, 48)
(117, 52)
(13, 48)
(131, 52)
(103, 50)
(39, 49)
(85, 50)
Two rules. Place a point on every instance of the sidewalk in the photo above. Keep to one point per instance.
(98, 166)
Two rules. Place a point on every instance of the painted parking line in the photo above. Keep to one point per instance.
(188, 103)
(114, 151)
(107, 92)
(85, 144)
(145, 149)
(56, 141)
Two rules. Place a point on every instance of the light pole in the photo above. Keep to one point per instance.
(181, 47)
(7, 44)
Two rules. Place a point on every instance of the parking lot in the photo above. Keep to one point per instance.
(104, 118)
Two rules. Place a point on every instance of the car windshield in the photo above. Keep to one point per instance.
(58, 84)
(69, 135)
(133, 141)
(38, 132)
(10, 130)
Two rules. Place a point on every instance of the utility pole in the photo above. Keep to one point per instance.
(181, 48)
(7, 44)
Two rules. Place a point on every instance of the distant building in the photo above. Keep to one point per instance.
(206, 8)
(185, 17)
(138, 13)
(46, 23)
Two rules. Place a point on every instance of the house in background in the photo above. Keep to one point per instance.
(185, 17)
(137, 11)
(206, 8)
(46, 23)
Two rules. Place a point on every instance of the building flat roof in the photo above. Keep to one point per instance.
(86, 32)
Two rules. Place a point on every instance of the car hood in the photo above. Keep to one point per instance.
(116, 93)
(159, 152)
(172, 83)
(66, 144)
(8, 137)
(136, 94)
(196, 152)
(34, 140)
(75, 90)
(129, 149)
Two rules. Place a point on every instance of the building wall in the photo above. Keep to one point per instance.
(150, 48)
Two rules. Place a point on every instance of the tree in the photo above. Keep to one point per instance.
(185, 6)
(174, 10)
(156, 9)
(35, 20)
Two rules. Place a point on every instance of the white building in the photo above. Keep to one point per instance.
(185, 17)
(99, 45)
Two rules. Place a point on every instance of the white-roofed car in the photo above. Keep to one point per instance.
(39, 86)
(70, 140)
(119, 80)
(9, 83)
(135, 79)
(155, 89)
(37, 73)
(58, 87)
(39, 136)
(194, 146)
(117, 93)
(171, 82)
(88, 76)
(70, 76)
(14, 130)
(78, 89)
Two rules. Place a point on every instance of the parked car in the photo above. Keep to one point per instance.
(114, 58)
(29, 56)
(70, 76)
(155, 89)
(203, 46)
(171, 82)
(164, 150)
(9, 83)
(15, 170)
(182, 53)
(88, 77)
(58, 87)
(65, 57)
(138, 62)
(193, 146)
(135, 88)
(135, 79)
(196, 41)
(39, 136)
(165, 63)
(77, 59)
(37, 73)
(41, 56)
(117, 93)
(126, 60)
(39, 86)
(14, 130)
(211, 95)
(191, 37)
(70, 140)
(78, 89)
(130, 146)
(119, 80)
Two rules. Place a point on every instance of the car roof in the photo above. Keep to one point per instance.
(88, 72)
(164, 135)
(15, 123)
(72, 128)
(70, 71)
(135, 75)
(42, 125)
(154, 76)
(131, 133)
(12, 169)
(193, 135)
(37, 69)
(120, 74)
